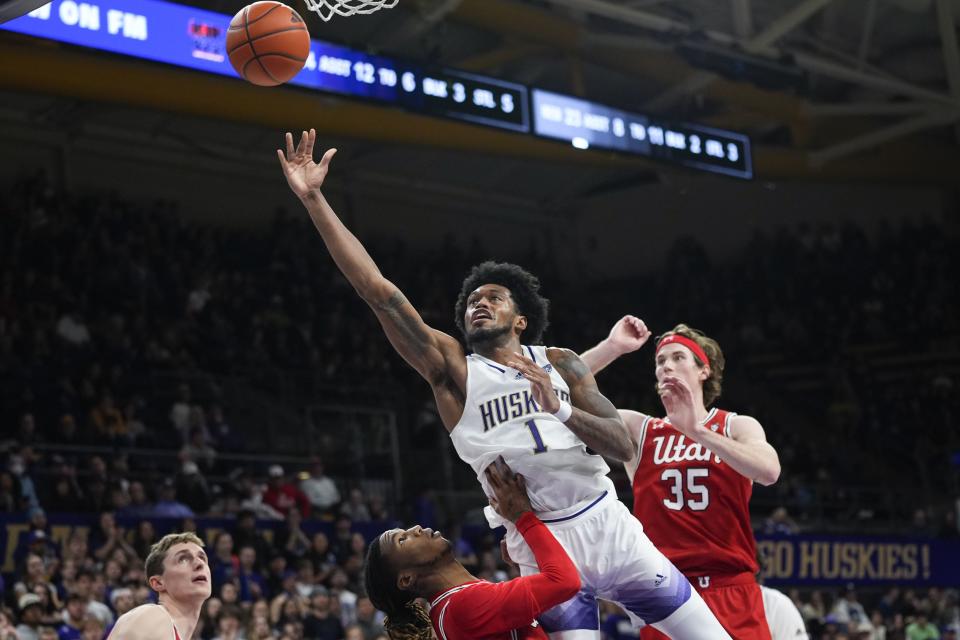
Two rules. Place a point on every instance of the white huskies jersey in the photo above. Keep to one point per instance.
(501, 418)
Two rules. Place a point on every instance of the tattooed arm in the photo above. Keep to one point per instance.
(595, 420)
(435, 355)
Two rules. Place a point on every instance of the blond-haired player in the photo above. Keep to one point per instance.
(693, 472)
(177, 570)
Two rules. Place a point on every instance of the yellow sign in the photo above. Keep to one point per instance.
(841, 560)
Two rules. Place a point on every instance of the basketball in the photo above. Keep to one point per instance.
(268, 43)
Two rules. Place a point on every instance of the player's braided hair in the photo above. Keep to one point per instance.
(713, 384)
(406, 619)
(524, 289)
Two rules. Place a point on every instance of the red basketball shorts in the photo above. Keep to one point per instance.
(737, 603)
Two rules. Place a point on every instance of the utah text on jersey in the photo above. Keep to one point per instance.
(675, 448)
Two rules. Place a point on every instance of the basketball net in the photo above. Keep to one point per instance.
(327, 8)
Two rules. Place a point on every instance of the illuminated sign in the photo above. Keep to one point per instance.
(195, 38)
(587, 125)
(838, 560)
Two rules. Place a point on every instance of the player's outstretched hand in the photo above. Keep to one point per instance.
(303, 174)
(677, 397)
(510, 498)
(540, 384)
(629, 334)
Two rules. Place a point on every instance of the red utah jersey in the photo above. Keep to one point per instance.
(475, 614)
(507, 610)
(694, 507)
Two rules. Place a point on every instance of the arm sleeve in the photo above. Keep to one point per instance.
(494, 608)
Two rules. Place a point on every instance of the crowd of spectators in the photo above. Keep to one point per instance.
(294, 580)
(894, 614)
(287, 584)
(99, 296)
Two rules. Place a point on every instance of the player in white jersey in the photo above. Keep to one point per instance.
(783, 617)
(539, 408)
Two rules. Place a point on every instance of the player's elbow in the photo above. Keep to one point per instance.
(770, 473)
(622, 446)
(376, 291)
(571, 585)
(624, 453)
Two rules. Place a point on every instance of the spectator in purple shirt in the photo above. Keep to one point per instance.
(72, 627)
(252, 585)
(167, 505)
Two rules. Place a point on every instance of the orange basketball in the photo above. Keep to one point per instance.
(268, 43)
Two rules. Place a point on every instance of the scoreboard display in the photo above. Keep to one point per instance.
(588, 124)
(196, 38)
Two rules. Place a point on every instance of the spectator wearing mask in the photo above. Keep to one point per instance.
(19, 466)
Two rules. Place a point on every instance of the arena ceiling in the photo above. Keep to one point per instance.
(829, 77)
(827, 89)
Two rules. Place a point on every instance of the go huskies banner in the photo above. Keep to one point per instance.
(833, 560)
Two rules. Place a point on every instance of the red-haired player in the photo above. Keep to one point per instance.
(693, 473)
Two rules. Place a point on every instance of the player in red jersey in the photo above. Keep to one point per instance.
(693, 473)
(418, 563)
(177, 570)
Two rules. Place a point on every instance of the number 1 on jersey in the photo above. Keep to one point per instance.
(537, 440)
